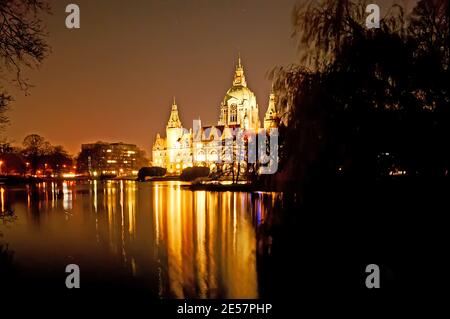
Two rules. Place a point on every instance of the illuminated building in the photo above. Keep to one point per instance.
(203, 145)
(102, 158)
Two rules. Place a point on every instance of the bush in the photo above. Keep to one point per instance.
(191, 173)
(154, 171)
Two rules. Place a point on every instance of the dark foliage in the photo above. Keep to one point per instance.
(375, 101)
(40, 154)
(22, 44)
(191, 173)
(150, 172)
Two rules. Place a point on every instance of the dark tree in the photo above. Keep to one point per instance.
(5, 148)
(359, 95)
(154, 171)
(58, 158)
(22, 44)
(34, 149)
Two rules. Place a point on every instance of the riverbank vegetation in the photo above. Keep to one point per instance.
(364, 103)
(37, 156)
(364, 163)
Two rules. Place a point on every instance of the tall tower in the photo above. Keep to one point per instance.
(271, 117)
(239, 76)
(174, 119)
(174, 132)
(239, 105)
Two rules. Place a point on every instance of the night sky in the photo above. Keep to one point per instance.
(114, 78)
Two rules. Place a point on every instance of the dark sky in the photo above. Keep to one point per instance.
(114, 79)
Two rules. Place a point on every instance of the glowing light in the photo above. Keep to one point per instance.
(2, 192)
(67, 197)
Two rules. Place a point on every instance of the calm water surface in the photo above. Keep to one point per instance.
(159, 237)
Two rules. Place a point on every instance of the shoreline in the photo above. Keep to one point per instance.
(215, 187)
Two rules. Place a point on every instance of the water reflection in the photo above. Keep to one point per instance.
(175, 242)
(2, 198)
(206, 243)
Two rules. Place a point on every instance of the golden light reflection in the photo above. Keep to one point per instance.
(110, 208)
(208, 243)
(174, 245)
(122, 222)
(131, 203)
(67, 196)
(117, 226)
(189, 244)
(201, 261)
(95, 195)
(2, 198)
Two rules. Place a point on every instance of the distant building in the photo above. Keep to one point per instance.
(200, 147)
(102, 158)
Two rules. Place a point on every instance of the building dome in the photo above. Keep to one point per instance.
(239, 93)
(239, 102)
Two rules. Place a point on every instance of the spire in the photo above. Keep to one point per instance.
(174, 104)
(271, 116)
(271, 108)
(239, 76)
(174, 119)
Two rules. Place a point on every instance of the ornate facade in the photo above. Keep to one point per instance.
(203, 145)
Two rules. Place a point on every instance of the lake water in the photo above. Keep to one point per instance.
(158, 237)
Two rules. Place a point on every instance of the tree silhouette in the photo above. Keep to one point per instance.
(360, 96)
(22, 44)
(35, 148)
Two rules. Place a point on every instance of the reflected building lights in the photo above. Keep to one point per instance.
(2, 198)
(234, 222)
(200, 218)
(110, 204)
(67, 196)
(122, 222)
(156, 210)
(196, 244)
(131, 201)
(95, 196)
(174, 231)
(209, 248)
